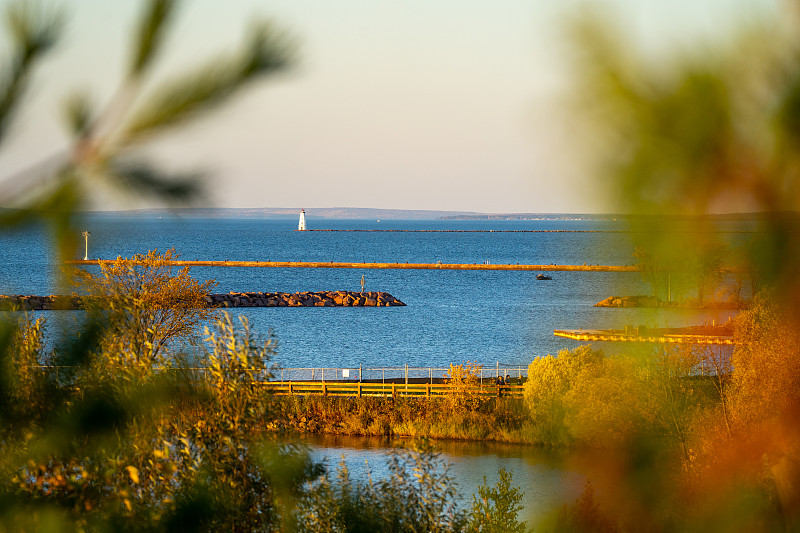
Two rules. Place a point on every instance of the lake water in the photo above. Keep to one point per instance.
(544, 476)
(451, 316)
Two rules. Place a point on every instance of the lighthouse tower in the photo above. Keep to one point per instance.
(301, 226)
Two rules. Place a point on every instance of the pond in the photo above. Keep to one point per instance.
(543, 475)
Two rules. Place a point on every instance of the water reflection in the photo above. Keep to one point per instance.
(543, 475)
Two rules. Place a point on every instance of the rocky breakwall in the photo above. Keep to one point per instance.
(40, 303)
(232, 299)
(304, 299)
(628, 301)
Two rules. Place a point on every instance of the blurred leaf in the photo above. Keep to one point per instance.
(147, 180)
(79, 114)
(267, 50)
(33, 33)
(150, 33)
(76, 352)
(178, 100)
(6, 334)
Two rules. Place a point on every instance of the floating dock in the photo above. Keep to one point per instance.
(407, 266)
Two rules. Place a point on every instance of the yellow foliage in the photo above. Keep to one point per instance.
(464, 381)
(582, 396)
(147, 304)
(133, 473)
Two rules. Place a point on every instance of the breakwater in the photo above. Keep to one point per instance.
(647, 335)
(471, 230)
(232, 299)
(304, 299)
(409, 266)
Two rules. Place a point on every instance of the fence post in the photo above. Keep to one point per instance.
(430, 375)
(291, 392)
(384, 375)
(406, 374)
(312, 374)
(394, 390)
(359, 389)
(323, 375)
(428, 390)
(497, 372)
(324, 388)
(359, 378)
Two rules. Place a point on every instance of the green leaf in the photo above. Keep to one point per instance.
(266, 52)
(150, 33)
(78, 114)
(33, 33)
(145, 180)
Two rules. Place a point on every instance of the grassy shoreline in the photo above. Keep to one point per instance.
(494, 419)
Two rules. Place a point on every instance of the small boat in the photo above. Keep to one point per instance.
(541, 277)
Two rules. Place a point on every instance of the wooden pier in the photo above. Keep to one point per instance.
(407, 266)
(356, 389)
(653, 336)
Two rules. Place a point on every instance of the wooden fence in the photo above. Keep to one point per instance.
(332, 388)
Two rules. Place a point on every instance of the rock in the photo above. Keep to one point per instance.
(628, 301)
(232, 299)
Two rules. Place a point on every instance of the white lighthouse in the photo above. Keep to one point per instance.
(301, 226)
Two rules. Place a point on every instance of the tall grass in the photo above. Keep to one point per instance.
(496, 419)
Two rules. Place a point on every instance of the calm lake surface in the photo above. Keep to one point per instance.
(490, 317)
(544, 476)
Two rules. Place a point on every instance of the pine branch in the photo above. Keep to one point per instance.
(33, 34)
(150, 34)
(266, 52)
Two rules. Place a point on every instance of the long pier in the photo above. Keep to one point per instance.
(407, 266)
(362, 230)
(328, 388)
(656, 337)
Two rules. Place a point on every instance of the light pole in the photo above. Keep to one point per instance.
(86, 240)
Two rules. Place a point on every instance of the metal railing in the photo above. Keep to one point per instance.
(389, 374)
(359, 389)
(392, 374)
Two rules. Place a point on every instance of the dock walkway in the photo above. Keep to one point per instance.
(653, 336)
(327, 388)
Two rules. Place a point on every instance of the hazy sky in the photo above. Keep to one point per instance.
(413, 104)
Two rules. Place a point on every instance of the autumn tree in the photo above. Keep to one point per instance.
(148, 306)
(582, 396)
(683, 136)
(766, 381)
(22, 383)
(464, 381)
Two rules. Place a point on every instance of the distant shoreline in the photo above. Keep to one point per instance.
(362, 213)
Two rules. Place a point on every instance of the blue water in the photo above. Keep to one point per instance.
(544, 477)
(451, 316)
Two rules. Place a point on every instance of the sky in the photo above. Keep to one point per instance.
(405, 104)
